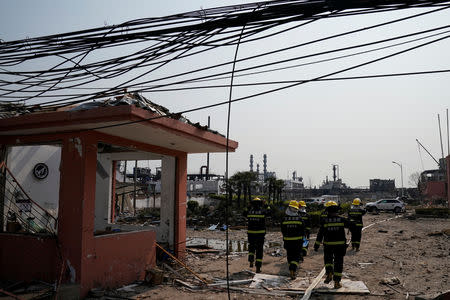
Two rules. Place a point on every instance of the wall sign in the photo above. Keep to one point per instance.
(40, 171)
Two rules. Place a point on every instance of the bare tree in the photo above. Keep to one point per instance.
(414, 179)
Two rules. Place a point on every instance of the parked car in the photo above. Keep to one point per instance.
(394, 205)
(326, 198)
(314, 201)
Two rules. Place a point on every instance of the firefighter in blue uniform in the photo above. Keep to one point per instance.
(355, 216)
(332, 232)
(256, 230)
(293, 229)
(307, 223)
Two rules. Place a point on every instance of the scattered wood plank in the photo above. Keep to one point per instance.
(181, 263)
(390, 286)
(186, 284)
(172, 270)
(231, 282)
(266, 287)
(313, 285)
(385, 256)
(202, 251)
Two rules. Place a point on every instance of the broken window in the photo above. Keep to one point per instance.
(135, 190)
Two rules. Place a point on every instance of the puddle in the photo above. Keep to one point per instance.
(233, 246)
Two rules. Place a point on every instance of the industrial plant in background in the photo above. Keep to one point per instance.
(432, 184)
(265, 174)
(335, 186)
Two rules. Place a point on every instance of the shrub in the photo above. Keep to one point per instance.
(192, 207)
(276, 214)
(345, 207)
(315, 218)
(440, 212)
(314, 207)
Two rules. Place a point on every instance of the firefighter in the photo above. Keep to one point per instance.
(355, 215)
(256, 231)
(332, 232)
(307, 223)
(293, 229)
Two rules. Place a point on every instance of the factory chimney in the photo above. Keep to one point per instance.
(265, 166)
(334, 172)
(257, 169)
(251, 162)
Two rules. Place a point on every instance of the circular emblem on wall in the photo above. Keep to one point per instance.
(40, 171)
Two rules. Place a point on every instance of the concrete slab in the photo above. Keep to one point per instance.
(348, 287)
(277, 282)
(270, 281)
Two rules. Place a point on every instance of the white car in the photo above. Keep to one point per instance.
(394, 205)
(315, 200)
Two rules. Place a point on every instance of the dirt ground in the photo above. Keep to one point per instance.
(399, 248)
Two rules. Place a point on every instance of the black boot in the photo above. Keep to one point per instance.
(329, 278)
(292, 274)
(337, 285)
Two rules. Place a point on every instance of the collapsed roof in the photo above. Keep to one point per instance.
(8, 110)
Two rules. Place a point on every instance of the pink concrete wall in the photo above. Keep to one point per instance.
(26, 257)
(120, 259)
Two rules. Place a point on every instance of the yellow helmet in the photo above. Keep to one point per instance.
(302, 203)
(293, 204)
(330, 203)
(356, 201)
(256, 199)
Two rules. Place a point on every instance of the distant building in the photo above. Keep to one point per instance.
(382, 185)
(204, 187)
(290, 184)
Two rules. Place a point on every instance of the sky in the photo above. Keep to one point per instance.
(361, 125)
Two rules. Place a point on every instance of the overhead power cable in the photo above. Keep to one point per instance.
(291, 85)
(257, 66)
(202, 29)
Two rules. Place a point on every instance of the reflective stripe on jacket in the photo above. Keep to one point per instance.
(332, 230)
(256, 218)
(355, 216)
(292, 228)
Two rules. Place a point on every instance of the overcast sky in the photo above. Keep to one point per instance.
(361, 125)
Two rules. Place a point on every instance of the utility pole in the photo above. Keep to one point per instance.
(401, 171)
(124, 181)
(448, 137)
(207, 154)
(134, 187)
(440, 137)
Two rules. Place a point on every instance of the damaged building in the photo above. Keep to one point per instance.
(57, 189)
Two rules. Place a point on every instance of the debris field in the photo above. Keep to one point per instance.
(401, 258)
